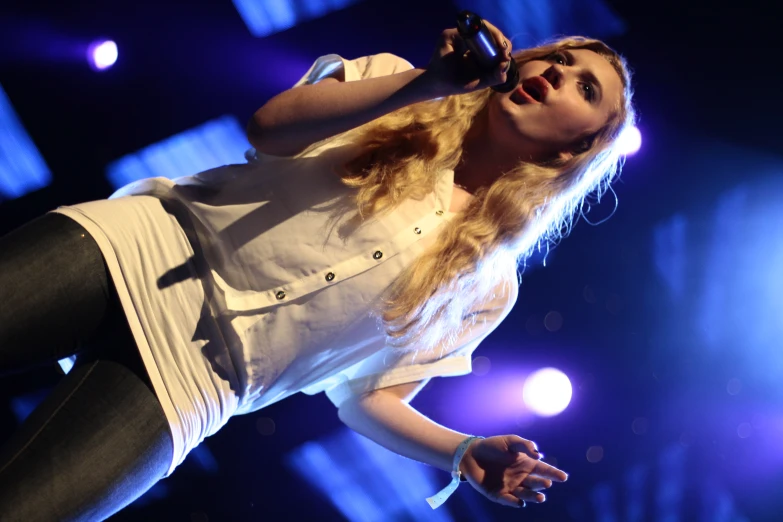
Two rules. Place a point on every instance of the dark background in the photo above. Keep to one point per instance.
(708, 82)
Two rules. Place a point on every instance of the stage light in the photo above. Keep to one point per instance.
(102, 54)
(528, 22)
(218, 142)
(547, 392)
(23, 405)
(22, 168)
(266, 17)
(630, 141)
(368, 483)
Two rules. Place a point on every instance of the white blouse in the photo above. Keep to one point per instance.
(246, 284)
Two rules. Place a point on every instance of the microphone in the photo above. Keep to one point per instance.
(484, 49)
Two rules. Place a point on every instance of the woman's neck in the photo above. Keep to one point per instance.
(483, 159)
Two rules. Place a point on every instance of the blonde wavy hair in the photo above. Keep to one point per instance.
(401, 155)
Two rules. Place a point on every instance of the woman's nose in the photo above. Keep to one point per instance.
(554, 75)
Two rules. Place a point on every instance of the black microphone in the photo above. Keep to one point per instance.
(484, 49)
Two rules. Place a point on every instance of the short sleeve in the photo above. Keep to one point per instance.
(333, 65)
(390, 367)
(373, 66)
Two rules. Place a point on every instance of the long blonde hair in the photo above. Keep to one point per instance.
(401, 156)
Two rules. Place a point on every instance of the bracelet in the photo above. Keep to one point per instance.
(441, 496)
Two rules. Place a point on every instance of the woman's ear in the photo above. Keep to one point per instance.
(565, 155)
(579, 148)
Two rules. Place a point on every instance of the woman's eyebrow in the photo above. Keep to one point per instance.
(588, 75)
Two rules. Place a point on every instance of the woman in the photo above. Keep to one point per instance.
(370, 244)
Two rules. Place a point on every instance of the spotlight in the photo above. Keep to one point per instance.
(630, 141)
(102, 54)
(547, 392)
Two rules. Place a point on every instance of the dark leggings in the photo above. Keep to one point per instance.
(100, 439)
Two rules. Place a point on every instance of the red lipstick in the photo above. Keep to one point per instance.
(535, 88)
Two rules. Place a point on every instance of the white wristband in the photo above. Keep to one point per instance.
(441, 496)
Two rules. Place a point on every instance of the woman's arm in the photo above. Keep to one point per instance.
(300, 116)
(384, 417)
(504, 468)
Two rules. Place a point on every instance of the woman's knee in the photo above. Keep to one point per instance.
(95, 444)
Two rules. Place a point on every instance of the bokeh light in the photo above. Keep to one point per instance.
(595, 454)
(734, 386)
(547, 392)
(102, 54)
(639, 425)
(481, 365)
(553, 321)
(265, 426)
(744, 430)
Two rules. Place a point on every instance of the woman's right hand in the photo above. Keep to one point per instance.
(452, 70)
(507, 469)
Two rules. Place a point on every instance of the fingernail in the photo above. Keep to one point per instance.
(505, 44)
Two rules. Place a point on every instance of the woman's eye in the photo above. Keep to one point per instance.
(588, 91)
(559, 58)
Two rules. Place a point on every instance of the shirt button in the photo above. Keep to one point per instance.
(417, 230)
(439, 212)
(329, 276)
(280, 295)
(378, 254)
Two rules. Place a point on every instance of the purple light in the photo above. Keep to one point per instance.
(102, 54)
(630, 141)
(547, 392)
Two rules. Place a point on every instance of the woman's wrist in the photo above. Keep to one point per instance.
(425, 86)
(432, 87)
(466, 455)
(457, 475)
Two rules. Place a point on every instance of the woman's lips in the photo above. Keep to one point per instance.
(522, 96)
(532, 90)
(519, 96)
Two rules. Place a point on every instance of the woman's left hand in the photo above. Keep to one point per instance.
(507, 469)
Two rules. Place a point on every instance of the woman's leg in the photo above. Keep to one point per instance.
(95, 444)
(54, 292)
(100, 439)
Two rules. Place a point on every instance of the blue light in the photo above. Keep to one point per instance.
(22, 168)
(265, 17)
(529, 22)
(216, 143)
(721, 266)
(604, 502)
(24, 405)
(362, 480)
(671, 248)
(204, 458)
(159, 491)
(656, 491)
